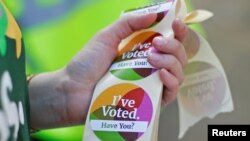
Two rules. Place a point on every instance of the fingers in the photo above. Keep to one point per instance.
(171, 46)
(172, 86)
(173, 57)
(169, 62)
(180, 30)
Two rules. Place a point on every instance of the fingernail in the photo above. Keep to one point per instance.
(160, 41)
(180, 21)
(154, 57)
(180, 24)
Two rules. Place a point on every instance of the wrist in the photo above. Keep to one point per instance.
(47, 100)
(77, 98)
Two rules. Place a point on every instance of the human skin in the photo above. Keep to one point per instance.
(62, 98)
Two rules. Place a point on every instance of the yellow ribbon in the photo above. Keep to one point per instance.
(13, 31)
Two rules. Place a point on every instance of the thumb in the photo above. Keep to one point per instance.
(126, 25)
(94, 60)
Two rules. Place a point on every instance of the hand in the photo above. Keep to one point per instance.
(171, 62)
(91, 64)
(87, 67)
(64, 96)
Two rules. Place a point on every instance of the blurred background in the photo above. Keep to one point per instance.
(228, 33)
(54, 30)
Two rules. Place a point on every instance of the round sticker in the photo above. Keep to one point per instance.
(192, 44)
(131, 63)
(119, 113)
(203, 91)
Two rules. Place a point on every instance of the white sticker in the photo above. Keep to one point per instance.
(135, 63)
(152, 9)
(119, 126)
